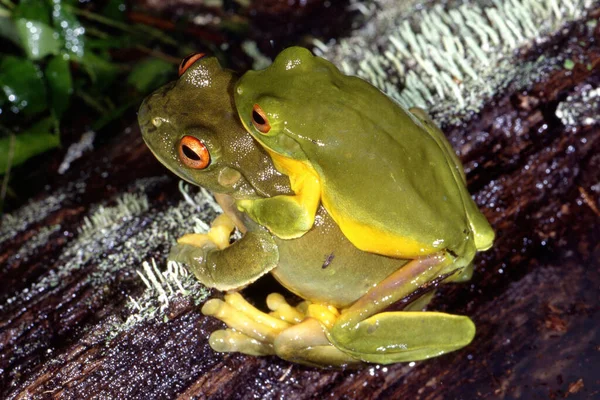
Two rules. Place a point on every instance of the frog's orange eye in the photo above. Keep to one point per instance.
(193, 153)
(189, 61)
(259, 119)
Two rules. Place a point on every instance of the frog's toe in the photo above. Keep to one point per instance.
(229, 341)
(240, 315)
(307, 343)
(282, 310)
(293, 333)
(201, 240)
(392, 337)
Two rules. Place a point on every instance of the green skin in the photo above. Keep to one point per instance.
(359, 142)
(322, 266)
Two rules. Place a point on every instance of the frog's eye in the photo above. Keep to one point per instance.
(193, 153)
(189, 61)
(259, 119)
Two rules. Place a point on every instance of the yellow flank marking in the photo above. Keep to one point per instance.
(369, 238)
(306, 184)
(304, 181)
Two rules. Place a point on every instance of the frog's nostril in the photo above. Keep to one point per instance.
(193, 153)
(157, 121)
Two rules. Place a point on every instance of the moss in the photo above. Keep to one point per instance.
(449, 59)
(114, 239)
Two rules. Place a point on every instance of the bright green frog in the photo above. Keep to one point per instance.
(387, 176)
(191, 128)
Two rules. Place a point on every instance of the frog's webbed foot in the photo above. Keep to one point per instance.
(217, 264)
(295, 334)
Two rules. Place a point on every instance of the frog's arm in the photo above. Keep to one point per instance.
(219, 265)
(288, 217)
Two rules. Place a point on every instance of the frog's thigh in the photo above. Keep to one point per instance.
(390, 337)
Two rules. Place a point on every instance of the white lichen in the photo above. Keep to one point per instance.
(580, 109)
(118, 236)
(162, 286)
(35, 211)
(128, 205)
(447, 58)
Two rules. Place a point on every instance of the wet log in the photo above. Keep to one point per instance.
(66, 283)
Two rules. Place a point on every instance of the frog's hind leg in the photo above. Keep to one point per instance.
(390, 337)
(307, 343)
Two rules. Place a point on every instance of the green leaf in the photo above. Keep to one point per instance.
(22, 85)
(37, 38)
(101, 71)
(33, 10)
(69, 28)
(8, 30)
(569, 64)
(58, 76)
(33, 141)
(150, 74)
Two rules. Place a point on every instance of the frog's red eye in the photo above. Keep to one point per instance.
(189, 61)
(259, 119)
(193, 153)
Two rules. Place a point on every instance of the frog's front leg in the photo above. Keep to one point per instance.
(217, 264)
(288, 216)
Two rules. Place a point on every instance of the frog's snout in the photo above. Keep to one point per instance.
(143, 112)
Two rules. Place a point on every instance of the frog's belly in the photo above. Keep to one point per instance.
(323, 266)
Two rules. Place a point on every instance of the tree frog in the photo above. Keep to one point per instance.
(191, 127)
(387, 176)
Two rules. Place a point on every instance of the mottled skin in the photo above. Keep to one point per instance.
(322, 266)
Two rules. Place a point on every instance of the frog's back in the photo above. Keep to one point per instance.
(387, 181)
(391, 184)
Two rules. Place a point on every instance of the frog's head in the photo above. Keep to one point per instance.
(192, 128)
(279, 102)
